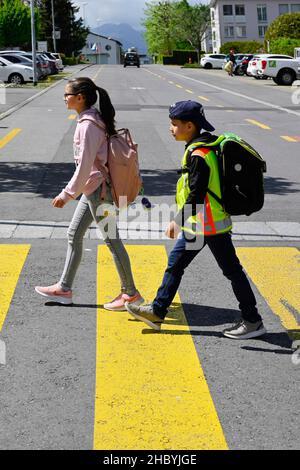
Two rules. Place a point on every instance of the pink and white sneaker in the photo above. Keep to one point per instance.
(118, 304)
(55, 294)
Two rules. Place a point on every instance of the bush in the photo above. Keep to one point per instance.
(180, 57)
(284, 26)
(70, 60)
(284, 46)
(241, 47)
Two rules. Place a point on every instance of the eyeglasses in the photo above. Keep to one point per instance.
(70, 94)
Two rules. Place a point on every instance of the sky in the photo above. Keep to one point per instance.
(97, 12)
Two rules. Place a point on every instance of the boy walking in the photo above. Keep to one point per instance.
(201, 220)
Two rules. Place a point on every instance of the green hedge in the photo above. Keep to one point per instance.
(70, 60)
(242, 47)
(284, 46)
(179, 57)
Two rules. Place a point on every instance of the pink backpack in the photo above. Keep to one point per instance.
(123, 167)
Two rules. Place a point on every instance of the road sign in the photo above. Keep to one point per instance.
(42, 46)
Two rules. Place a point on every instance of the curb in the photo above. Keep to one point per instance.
(23, 103)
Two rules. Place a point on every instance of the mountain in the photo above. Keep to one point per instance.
(124, 33)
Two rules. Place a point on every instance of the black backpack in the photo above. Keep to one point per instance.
(241, 171)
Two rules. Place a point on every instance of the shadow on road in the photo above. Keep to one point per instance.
(204, 316)
(47, 180)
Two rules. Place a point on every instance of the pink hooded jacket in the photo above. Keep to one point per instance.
(90, 154)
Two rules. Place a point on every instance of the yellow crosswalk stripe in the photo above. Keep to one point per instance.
(189, 91)
(12, 259)
(11, 135)
(151, 391)
(276, 273)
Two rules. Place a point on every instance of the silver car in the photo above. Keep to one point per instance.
(15, 73)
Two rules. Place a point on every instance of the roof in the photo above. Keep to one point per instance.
(106, 37)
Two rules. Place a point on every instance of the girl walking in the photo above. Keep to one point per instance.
(90, 154)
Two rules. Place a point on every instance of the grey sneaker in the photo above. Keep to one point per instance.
(146, 314)
(245, 330)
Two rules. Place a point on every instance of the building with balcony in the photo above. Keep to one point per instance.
(246, 20)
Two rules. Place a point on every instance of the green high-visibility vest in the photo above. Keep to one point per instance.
(211, 218)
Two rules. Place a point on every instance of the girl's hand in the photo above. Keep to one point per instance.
(58, 202)
(173, 230)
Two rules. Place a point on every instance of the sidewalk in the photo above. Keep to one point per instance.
(143, 230)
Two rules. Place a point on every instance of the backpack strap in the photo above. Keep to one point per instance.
(215, 146)
(103, 168)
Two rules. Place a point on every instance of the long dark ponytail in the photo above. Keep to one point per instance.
(88, 89)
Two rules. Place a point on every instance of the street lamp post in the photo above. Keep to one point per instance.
(83, 5)
(53, 25)
(33, 42)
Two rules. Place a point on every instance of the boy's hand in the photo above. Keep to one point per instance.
(173, 230)
(58, 202)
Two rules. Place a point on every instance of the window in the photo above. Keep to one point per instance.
(214, 35)
(262, 12)
(295, 8)
(229, 31)
(212, 13)
(227, 10)
(241, 31)
(12, 59)
(262, 31)
(283, 8)
(239, 10)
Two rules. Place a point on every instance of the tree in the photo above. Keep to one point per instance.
(175, 24)
(73, 34)
(159, 24)
(15, 24)
(193, 23)
(284, 26)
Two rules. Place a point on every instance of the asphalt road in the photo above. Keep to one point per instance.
(48, 382)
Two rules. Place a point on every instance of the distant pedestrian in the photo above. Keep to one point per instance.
(201, 220)
(232, 61)
(90, 154)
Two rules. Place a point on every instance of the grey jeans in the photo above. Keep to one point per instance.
(91, 208)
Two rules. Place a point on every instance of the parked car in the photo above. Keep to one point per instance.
(15, 73)
(131, 58)
(21, 59)
(255, 64)
(55, 56)
(213, 61)
(40, 60)
(238, 60)
(241, 66)
(51, 63)
(282, 71)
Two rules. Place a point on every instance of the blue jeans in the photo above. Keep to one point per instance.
(224, 253)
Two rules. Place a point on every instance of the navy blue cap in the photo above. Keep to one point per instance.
(190, 111)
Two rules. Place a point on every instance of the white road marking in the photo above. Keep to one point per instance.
(240, 95)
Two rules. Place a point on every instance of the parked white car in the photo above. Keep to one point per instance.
(59, 61)
(282, 71)
(15, 73)
(254, 66)
(213, 61)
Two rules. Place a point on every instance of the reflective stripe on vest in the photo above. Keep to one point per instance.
(211, 219)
